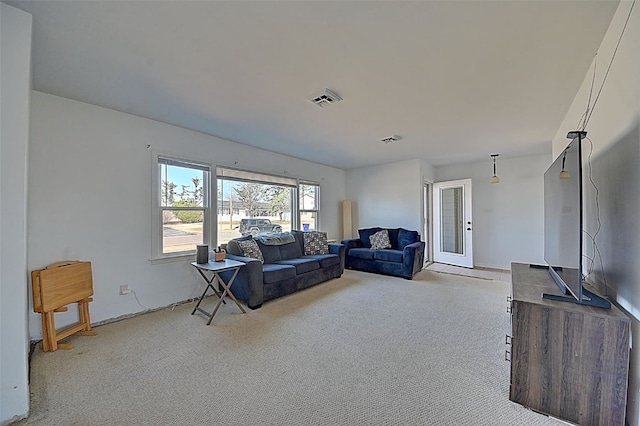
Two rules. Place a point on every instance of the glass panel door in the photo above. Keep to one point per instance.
(453, 233)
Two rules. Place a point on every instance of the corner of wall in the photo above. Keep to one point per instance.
(15, 27)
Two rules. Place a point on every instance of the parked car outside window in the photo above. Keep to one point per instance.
(257, 226)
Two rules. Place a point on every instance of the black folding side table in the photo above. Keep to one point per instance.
(215, 268)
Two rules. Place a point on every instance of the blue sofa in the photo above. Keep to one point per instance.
(404, 258)
(286, 269)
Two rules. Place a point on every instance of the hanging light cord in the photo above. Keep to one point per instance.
(588, 116)
(593, 80)
(596, 250)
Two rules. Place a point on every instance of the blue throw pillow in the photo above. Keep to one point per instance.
(271, 254)
(407, 237)
(290, 251)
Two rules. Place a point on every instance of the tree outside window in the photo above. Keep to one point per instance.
(254, 203)
(240, 201)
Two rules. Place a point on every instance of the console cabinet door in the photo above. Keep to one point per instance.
(532, 372)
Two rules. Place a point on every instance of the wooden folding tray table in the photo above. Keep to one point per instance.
(55, 287)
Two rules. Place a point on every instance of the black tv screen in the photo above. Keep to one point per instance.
(563, 219)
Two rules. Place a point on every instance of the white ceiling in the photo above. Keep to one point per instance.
(456, 80)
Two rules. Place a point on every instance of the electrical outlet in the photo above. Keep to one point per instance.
(124, 289)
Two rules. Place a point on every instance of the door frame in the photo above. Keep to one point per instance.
(466, 258)
(427, 220)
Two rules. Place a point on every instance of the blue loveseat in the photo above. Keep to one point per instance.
(404, 258)
(286, 268)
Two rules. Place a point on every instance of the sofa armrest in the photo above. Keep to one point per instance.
(349, 244)
(338, 249)
(248, 285)
(413, 259)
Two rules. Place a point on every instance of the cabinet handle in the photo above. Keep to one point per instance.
(508, 339)
(507, 355)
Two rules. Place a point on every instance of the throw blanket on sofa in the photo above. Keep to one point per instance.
(276, 239)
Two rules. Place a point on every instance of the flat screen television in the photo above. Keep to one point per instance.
(563, 225)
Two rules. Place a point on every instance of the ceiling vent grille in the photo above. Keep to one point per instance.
(324, 97)
(392, 138)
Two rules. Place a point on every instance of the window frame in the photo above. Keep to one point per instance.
(252, 176)
(208, 205)
(317, 203)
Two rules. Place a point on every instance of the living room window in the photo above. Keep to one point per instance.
(309, 204)
(253, 203)
(182, 217)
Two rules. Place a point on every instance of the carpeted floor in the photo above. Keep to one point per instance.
(360, 350)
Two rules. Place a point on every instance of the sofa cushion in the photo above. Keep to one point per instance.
(234, 248)
(325, 260)
(362, 253)
(299, 236)
(315, 242)
(290, 251)
(250, 249)
(302, 264)
(407, 237)
(380, 240)
(393, 237)
(271, 254)
(388, 255)
(272, 272)
(365, 234)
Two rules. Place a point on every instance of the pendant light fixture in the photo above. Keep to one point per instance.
(494, 178)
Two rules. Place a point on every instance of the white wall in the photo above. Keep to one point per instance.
(90, 199)
(428, 172)
(388, 195)
(15, 89)
(508, 220)
(615, 131)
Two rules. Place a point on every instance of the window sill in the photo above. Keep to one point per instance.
(182, 257)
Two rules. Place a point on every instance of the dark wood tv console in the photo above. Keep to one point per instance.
(567, 360)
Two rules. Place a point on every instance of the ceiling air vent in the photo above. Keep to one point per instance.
(325, 97)
(392, 138)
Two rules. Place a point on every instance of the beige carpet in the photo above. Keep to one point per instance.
(360, 350)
